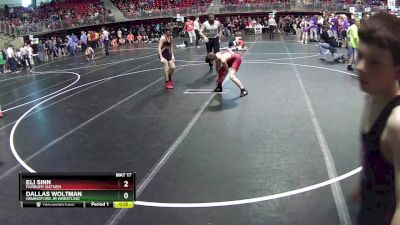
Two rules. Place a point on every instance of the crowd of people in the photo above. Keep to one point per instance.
(77, 43)
(307, 28)
(333, 31)
(142, 9)
(13, 60)
(133, 6)
(51, 15)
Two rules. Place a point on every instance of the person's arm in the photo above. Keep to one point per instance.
(160, 44)
(172, 51)
(221, 28)
(217, 65)
(393, 132)
(223, 63)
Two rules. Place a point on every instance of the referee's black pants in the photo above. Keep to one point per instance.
(213, 44)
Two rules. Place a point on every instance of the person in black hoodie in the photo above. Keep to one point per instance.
(329, 42)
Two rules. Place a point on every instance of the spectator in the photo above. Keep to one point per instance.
(106, 37)
(119, 34)
(11, 59)
(313, 29)
(139, 38)
(114, 42)
(2, 62)
(189, 28)
(272, 26)
(130, 38)
(328, 41)
(352, 33)
(84, 41)
(30, 54)
(25, 56)
(122, 40)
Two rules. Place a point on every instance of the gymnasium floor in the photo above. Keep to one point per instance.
(268, 158)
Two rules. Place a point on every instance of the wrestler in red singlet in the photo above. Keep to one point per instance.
(227, 62)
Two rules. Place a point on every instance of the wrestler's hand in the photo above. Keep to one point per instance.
(163, 60)
(206, 40)
(173, 58)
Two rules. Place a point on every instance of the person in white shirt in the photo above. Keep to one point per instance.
(25, 56)
(106, 40)
(11, 59)
(197, 31)
(211, 31)
(30, 54)
(272, 26)
(119, 34)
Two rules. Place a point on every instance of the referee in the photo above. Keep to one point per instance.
(211, 31)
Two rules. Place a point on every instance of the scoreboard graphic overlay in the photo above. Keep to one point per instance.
(83, 190)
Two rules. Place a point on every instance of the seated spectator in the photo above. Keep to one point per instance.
(114, 42)
(139, 38)
(131, 38)
(329, 42)
(89, 53)
(145, 38)
(122, 40)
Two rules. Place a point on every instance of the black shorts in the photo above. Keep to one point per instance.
(213, 43)
(166, 54)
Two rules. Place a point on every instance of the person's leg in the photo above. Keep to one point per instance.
(349, 52)
(336, 56)
(271, 34)
(352, 52)
(209, 49)
(232, 76)
(171, 69)
(55, 52)
(8, 65)
(83, 48)
(216, 47)
(191, 37)
(13, 65)
(29, 62)
(106, 47)
(166, 75)
(322, 49)
(197, 37)
(314, 34)
(305, 37)
(23, 62)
